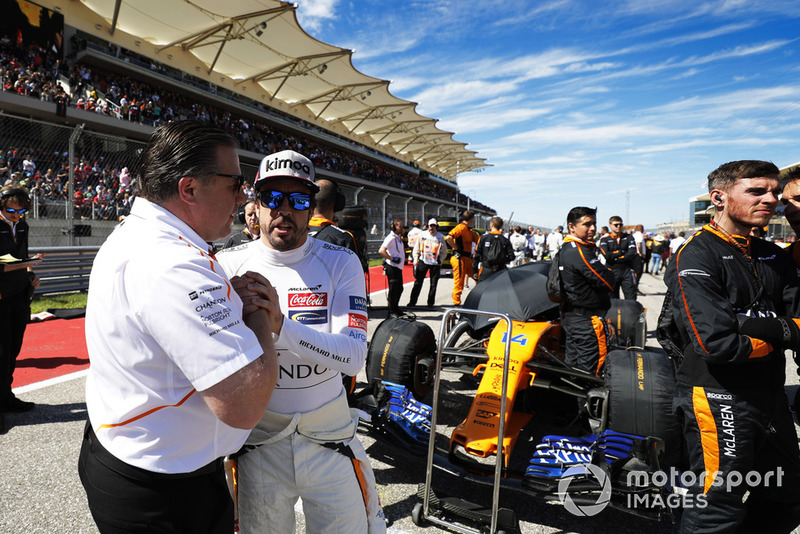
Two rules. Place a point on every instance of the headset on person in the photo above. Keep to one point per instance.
(13, 192)
(341, 200)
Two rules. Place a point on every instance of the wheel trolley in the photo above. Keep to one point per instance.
(493, 516)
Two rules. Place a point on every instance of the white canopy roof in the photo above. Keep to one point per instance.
(257, 49)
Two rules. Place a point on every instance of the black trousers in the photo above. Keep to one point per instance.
(126, 499)
(15, 313)
(419, 277)
(751, 449)
(394, 277)
(626, 279)
(586, 341)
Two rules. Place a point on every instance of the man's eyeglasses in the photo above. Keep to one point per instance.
(274, 199)
(239, 177)
(616, 224)
(20, 211)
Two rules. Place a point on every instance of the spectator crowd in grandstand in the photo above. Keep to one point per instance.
(105, 189)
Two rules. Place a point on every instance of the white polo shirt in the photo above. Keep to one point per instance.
(162, 323)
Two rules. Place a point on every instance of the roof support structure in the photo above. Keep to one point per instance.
(114, 20)
(288, 64)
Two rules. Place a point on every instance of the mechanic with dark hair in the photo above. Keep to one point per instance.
(485, 244)
(251, 231)
(790, 197)
(619, 250)
(587, 287)
(733, 298)
(17, 284)
(460, 240)
(328, 201)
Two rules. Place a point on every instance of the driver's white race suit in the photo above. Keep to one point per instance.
(305, 444)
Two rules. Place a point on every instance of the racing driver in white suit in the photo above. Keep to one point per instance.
(305, 444)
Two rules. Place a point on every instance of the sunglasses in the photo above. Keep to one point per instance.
(616, 224)
(239, 177)
(274, 199)
(12, 210)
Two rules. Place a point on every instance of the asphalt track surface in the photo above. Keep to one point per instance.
(40, 491)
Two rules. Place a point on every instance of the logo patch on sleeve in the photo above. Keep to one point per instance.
(358, 321)
(358, 304)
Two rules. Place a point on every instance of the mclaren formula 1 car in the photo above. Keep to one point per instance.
(610, 430)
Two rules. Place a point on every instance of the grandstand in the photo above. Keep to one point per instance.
(83, 87)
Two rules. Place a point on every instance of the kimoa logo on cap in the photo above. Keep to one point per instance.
(276, 164)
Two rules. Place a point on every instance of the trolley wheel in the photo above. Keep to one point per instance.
(416, 515)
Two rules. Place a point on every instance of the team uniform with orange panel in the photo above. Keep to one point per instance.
(587, 287)
(733, 298)
(461, 260)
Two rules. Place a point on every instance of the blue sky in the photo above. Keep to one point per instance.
(587, 102)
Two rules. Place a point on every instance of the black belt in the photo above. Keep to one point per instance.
(124, 468)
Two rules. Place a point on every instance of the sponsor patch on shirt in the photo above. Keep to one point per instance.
(316, 287)
(359, 336)
(309, 317)
(358, 303)
(357, 320)
(308, 300)
(194, 295)
(329, 246)
(693, 272)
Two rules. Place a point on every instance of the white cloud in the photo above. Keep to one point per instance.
(598, 134)
(488, 120)
(313, 13)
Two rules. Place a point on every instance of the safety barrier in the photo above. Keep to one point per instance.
(64, 269)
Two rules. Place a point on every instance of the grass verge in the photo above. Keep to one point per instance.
(42, 303)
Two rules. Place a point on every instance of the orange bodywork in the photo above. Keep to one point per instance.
(478, 433)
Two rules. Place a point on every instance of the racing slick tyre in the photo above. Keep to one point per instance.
(629, 320)
(640, 386)
(403, 351)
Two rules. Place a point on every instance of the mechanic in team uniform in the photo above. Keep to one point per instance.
(790, 197)
(305, 445)
(619, 250)
(251, 231)
(492, 265)
(328, 201)
(733, 298)
(587, 287)
(460, 240)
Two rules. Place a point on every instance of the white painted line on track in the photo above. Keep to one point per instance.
(50, 382)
